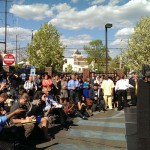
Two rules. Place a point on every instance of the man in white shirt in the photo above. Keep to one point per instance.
(30, 86)
(121, 87)
(107, 89)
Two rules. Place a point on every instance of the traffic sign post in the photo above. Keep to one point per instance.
(8, 59)
(32, 71)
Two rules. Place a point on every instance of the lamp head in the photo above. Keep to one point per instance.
(108, 25)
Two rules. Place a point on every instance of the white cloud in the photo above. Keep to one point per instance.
(114, 2)
(125, 32)
(122, 37)
(95, 16)
(21, 2)
(119, 43)
(79, 40)
(74, 1)
(10, 47)
(23, 34)
(96, 2)
(34, 11)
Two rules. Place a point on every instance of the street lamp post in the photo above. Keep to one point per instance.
(108, 25)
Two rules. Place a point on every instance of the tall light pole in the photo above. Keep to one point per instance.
(108, 25)
(16, 47)
(5, 26)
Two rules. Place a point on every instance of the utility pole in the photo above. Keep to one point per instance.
(19, 53)
(16, 47)
(120, 66)
(5, 26)
(5, 12)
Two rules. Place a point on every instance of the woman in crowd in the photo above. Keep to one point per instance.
(115, 99)
(82, 109)
(64, 91)
(47, 82)
(86, 86)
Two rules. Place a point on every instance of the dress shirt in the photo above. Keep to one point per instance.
(73, 84)
(28, 85)
(3, 120)
(49, 102)
(122, 84)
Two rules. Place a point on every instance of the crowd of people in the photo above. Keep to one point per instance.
(27, 103)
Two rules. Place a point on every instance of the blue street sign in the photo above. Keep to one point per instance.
(32, 71)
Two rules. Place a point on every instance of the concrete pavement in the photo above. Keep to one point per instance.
(103, 131)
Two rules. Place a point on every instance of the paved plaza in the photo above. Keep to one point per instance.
(103, 131)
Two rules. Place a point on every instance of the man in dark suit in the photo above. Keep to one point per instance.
(96, 96)
(133, 91)
(92, 78)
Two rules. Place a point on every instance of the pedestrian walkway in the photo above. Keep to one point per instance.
(103, 131)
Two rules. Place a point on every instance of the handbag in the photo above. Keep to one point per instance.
(89, 102)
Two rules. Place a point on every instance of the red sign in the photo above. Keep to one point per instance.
(8, 59)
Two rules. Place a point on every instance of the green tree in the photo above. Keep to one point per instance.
(96, 52)
(114, 64)
(46, 48)
(138, 48)
(69, 68)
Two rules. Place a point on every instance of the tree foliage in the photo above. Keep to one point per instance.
(46, 48)
(69, 68)
(114, 64)
(96, 52)
(138, 48)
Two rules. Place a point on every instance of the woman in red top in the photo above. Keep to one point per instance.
(47, 82)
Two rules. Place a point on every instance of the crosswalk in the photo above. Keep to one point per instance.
(103, 131)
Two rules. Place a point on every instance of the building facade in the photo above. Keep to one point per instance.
(76, 61)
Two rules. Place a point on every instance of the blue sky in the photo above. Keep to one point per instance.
(79, 21)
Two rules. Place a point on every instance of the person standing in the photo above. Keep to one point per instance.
(133, 91)
(86, 87)
(38, 82)
(64, 91)
(97, 80)
(121, 87)
(47, 82)
(57, 84)
(73, 87)
(107, 89)
(30, 87)
(92, 79)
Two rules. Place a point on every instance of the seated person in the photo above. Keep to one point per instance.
(2, 87)
(53, 107)
(24, 118)
(95, 95)
(82, 108)
(4, 132)
(3, 98)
